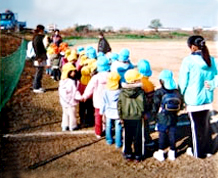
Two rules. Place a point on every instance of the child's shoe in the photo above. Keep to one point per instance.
(128, 157)
(171, 155)
(65, 128)
(75, 128)
(159, 155)
(138, 158)
(189, 151)
(98, 136)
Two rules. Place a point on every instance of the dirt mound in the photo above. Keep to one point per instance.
(8, 44)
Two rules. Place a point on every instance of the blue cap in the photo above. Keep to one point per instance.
(144, 68)
(92, 53)
(79, 49)
(103, 64)
(167, 77)
(124, 55)
(100, 54)
(87, 50)
(114, 57)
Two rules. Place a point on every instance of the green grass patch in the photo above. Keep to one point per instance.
(179, 34)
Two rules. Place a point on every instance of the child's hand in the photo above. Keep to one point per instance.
(83, 99)
(207, 85)
(122, 122)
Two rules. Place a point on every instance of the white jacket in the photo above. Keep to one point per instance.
(68, 93)
(96, 87)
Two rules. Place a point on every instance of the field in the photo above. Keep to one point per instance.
(36, 147)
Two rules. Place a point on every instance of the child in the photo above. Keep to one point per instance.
(48, 66)
(168, 101)
(131, 109)
(95, 87)
(64, 50)
(145, 69)
(86, 109)
(55, 61)
(69, 96)
(123, 64)
(109, 108)
(72, 58)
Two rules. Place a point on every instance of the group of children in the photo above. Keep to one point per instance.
(112, 92)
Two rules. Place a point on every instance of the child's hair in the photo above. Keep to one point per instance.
(75, 78)
(199, 41)
(69, 74)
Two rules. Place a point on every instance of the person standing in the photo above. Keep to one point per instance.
(95, 89)
(132, 106)
(149, 88)
(40, 59)
(123, 64)
(56, 38)
(109, 109)
(167, 102)
(103, 45)
(197, 68)
(69, 97)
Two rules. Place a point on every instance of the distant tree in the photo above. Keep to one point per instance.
(83, 28)
(124, 29)
(197, 30)
(108, 29)
(155, 24)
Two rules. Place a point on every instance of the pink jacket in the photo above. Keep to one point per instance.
(96, 86)
(68, 93)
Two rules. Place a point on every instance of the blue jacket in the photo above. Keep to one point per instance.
(109, 103)
(193, 73)
(122, 68)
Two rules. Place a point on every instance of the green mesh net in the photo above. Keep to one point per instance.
(11, 68)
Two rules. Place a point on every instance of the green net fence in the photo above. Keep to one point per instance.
(11, 68)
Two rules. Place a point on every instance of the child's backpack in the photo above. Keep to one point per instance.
(171, 102)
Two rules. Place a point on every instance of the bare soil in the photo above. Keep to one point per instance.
(34, 146)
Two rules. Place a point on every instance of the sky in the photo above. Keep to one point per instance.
(133, 14)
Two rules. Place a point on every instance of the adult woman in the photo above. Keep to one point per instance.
(103, 45)
(56, 38)
(40, 59)
(196, 68)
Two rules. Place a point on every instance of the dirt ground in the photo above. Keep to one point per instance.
(33, 145)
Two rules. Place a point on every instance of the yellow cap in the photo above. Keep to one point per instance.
(82, 53)
(132, 75)
(66, 69)
(113, 81)
(67, 53)
(72, 56)
(83, 60)
(85, 75)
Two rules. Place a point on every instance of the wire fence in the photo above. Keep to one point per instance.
(11, 68)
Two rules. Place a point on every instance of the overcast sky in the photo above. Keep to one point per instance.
(134, 14)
